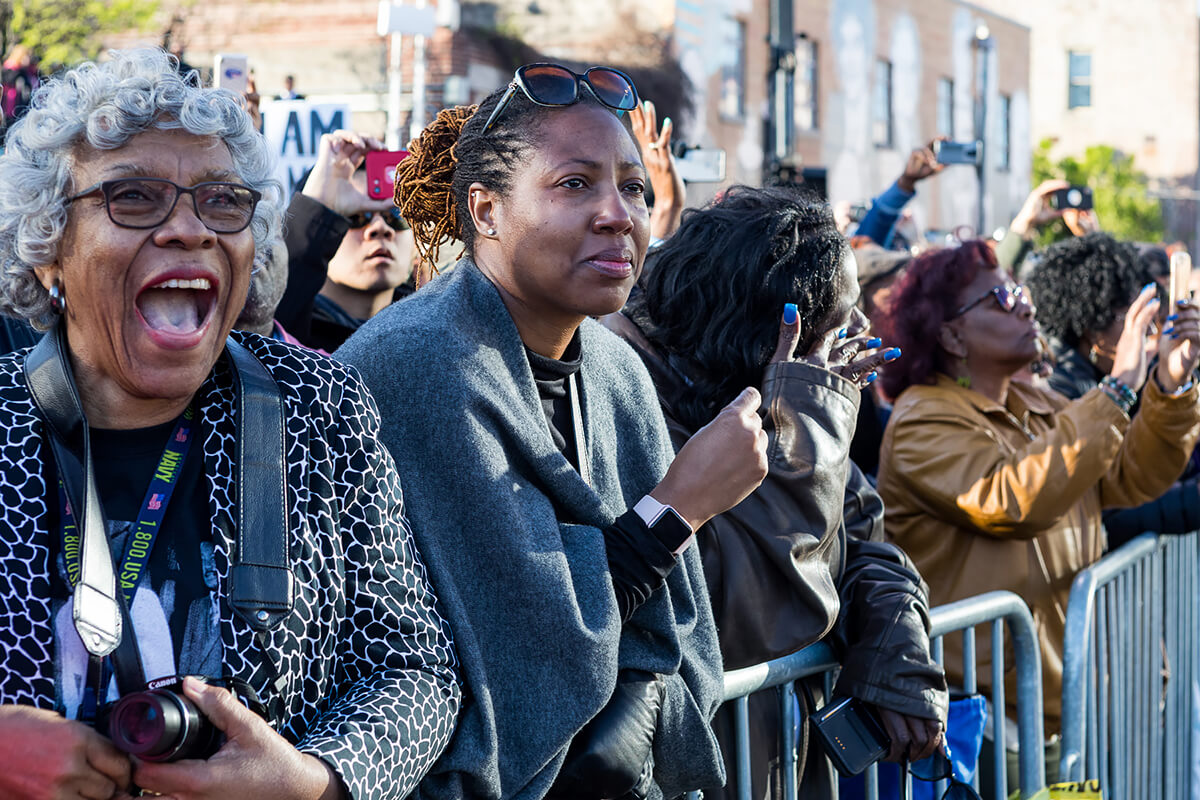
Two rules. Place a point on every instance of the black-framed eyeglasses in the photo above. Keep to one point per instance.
(391, 218)
(939, 767)
(1007, 296)
(140, 203)
(555, 85)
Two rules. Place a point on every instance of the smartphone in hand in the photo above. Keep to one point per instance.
(1181, 275)
(956, 152)
(381, 172)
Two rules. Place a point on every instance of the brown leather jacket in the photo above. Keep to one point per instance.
(802, 559)
(984, 496)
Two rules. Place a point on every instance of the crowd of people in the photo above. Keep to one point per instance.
(496, 533)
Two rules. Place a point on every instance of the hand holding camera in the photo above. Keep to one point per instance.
(254, 761)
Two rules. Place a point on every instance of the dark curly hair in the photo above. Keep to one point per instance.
(1080, 285)
(925, 297)
(713, 293)
(453, 152)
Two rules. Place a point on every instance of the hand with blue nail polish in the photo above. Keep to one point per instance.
(1179, 347)
(789, 335)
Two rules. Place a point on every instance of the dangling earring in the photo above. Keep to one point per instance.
(964, 380)
(58, 300)
(1094, 355)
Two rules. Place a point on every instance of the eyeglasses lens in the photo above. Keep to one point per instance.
(147, 202)
(549, 84)
(612, 88)
(1007, 296)
(935, 768)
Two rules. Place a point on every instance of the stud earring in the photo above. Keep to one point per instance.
(491, 231)
(58, 300)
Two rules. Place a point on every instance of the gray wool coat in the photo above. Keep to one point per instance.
(513, 540)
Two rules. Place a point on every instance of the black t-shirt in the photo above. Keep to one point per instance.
(174, 610)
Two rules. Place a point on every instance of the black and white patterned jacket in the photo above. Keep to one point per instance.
(367, 664)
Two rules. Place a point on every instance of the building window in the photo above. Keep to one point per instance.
(806, 84)
(945, 108)
(881, 105)
(733, 71)
(1079, 79)
(1004, 123)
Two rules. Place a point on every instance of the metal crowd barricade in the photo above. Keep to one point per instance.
(997, 608)
(1130, 663)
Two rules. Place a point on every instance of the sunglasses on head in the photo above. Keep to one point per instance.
(939, 767)
(554, 85)
(391, 218)
(1007, 296)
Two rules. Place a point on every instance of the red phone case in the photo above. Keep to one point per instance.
(381, 172)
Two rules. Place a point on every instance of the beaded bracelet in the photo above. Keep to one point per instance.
(1121, 394)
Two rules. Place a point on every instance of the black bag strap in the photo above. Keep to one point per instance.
(262, 586)
(99, 610)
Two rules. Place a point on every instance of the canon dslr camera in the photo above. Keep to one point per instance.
(161, 724)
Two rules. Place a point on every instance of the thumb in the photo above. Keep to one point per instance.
(220, 706)
(747, 402)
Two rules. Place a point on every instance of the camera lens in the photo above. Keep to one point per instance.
(155, 725)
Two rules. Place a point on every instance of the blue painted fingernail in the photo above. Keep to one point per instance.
(1169, 330)
(1172, 318)
(891, 354)
(873, 343)
(1147, 286)
(789, 313)
(872, 377)
(1183, 302)
(842, 333)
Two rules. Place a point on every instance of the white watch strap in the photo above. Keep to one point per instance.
(650, 510)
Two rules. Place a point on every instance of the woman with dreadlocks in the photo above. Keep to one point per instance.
(543, 488)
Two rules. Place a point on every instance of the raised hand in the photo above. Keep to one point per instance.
(720, 465)
(666, 181)
(1130, 361)
(1179, 346)
(330, 182)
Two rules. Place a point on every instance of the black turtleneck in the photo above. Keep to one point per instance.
(638, 560)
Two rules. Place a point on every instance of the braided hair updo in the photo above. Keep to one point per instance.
(452, 153)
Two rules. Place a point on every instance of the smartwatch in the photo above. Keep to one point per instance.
(665, 523)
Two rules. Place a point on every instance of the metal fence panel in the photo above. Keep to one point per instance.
(1129, 668)
(996, 608)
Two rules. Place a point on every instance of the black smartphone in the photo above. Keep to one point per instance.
(852, 735)
(1073, 197)
(956, 152)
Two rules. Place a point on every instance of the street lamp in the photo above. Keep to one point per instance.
(982, 42)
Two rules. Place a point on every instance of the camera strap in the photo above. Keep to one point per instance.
(261, 582)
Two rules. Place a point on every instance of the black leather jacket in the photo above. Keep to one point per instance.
(802, 559)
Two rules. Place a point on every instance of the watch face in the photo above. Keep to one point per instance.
(672, 530)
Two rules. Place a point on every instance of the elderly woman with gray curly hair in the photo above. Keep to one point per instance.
(178, 501)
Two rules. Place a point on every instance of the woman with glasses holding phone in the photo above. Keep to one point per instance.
(991, 483)
(182, 502)
(536, 463)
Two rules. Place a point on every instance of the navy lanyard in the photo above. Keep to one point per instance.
(154, 507)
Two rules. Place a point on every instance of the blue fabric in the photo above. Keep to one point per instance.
(964, 739)
(881, 217)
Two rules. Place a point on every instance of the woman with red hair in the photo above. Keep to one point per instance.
(990, 483)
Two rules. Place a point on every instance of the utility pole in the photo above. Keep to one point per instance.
(781, 116)
(983, 49)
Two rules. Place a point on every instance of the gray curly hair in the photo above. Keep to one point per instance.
(105, 105)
